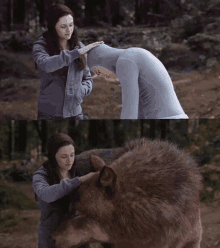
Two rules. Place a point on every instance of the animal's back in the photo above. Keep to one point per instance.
(159, 189)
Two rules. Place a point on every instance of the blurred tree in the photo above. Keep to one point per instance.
(75, 133)
(41, 8)
(119, 132)
(164, 126)
(179, 132)
(94, 12)
(152, 133)
(10, 15)
(108, 12)
(20, 136)
(19, 11)
(10, 140)
(41, 127)
(59, 2)
(116, 12)
(76, 7)
(98, 135)
(137, 12)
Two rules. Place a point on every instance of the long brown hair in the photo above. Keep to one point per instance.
(56, 141)
(55, 12)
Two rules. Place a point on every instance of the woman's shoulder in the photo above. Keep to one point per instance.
(42, 170)
(41, 41)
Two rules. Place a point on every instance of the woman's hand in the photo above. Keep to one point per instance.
(86, 177)
(87, 48)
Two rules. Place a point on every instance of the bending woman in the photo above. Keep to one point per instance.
(60, 58)
(53, 183)
(147, 89)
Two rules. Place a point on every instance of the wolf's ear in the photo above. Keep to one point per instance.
(107, 180)
(97, 162)
(107, 177)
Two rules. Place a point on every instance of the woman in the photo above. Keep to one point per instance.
(147, 89)
(52, 184)
(60, 58)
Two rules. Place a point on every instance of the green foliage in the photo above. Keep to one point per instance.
(194, 26)
(11, 197)
(18, 43)
(17, 175)
(205, 155)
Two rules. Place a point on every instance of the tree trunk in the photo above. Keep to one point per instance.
(89, 12)
(41, 8)
(98, 136)
(108, 12)
(74, 133)
(21, 137)
(74, 5)
(44, 137)
(42, 134)
(119, 132)
(152, 129)
(110, 130)
(144, 9)
(10, 140)
(164, 124)
(137, 12)
(117, 17)
(10, 15)
(19, 11)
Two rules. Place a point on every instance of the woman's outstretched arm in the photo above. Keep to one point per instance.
(49, 63)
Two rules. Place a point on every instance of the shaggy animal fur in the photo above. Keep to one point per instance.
(147, 196)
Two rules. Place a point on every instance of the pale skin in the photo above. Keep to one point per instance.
(64, 28)
(65, 157)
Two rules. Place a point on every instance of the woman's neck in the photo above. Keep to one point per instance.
(104, 56)
(65, 174)
(64, 45)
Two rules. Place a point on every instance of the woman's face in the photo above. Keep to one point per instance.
(65, 27)
(65, 157)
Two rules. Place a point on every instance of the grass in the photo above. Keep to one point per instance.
(7, 220)
(12, 198)
(11, 65)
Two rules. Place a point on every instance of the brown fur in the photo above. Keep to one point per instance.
(148, 197)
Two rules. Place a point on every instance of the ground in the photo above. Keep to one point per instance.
(24, 234)
(198, 93)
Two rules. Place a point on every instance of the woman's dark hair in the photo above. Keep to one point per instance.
(56, 141)
(55, 12)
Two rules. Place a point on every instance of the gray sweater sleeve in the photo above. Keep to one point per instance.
(87, 81)
(54, 192)
(52, 63)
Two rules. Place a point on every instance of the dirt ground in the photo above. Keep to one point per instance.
(24, 234)
(198, 93)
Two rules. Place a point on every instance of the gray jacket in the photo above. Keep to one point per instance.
(54, 203)
(57, 97)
